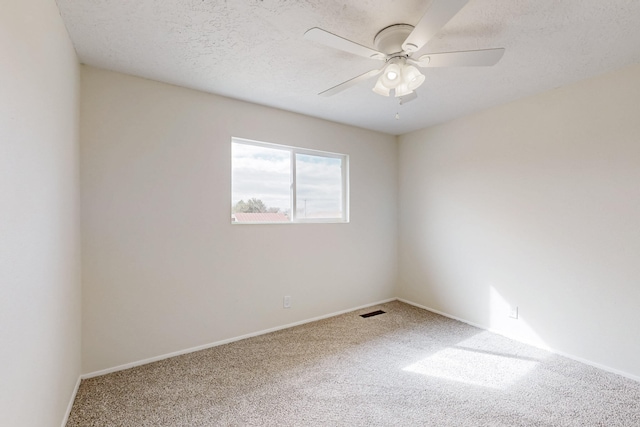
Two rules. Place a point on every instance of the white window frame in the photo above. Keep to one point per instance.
(293, 196)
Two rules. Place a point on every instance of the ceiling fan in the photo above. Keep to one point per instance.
(397, 44)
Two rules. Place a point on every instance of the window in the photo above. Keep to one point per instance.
(280, 184)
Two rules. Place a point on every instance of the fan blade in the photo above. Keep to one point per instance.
(328, 39)
(438, 14)
(349, 83)
(469, 58)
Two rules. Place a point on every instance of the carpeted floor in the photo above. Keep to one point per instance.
(407, 367)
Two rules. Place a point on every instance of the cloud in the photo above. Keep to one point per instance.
(265, 173)
(261, 173)
(319, 184)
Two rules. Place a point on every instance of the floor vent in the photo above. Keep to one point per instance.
(373, 313)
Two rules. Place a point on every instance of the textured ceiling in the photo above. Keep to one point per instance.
(254, 50)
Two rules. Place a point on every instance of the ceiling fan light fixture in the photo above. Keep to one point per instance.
(402, 90)
(380, 88)
(400, 77)
(412, 77)
(391, 77)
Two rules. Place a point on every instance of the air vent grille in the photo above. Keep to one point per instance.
(373, 313)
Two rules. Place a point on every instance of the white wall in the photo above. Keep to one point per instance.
(533, 204)
(163, 268)
(39, 206)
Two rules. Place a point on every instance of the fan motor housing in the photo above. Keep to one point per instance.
(389, 40)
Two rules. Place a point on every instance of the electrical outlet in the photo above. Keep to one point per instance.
(286, 301)
(514, 312)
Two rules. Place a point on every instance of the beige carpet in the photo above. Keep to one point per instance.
(407, 367)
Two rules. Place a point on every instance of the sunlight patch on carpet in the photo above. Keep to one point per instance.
(474, 367)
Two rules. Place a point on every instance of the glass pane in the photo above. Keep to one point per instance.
(261, 182)
(319, 187)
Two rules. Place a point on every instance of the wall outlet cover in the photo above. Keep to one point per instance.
(513, 313)
(286, 302)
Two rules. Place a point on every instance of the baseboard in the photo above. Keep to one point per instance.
(450, 316)
(225, 341)
(71, 400)
(515, 338)
(337, 313)
(477, 325)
